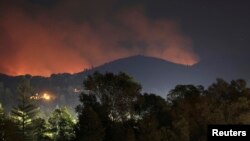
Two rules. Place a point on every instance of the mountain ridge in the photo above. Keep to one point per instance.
(145, 69)
(155, 75)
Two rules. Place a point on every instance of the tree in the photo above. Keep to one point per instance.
(2, 122)
(186, 101)
(25, 112)
(8, 129)
(61, 125)
(89, 127)
(41, 130)
(2, 92)
(149, 129)
(116, 93)
(229, 102)
(185, 92)
(153, 118)
(110, 99)
(6, 97)
(221, 103)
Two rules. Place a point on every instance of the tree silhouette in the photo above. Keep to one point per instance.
(25, 112)
(2, 122)
(110, 99)
(61, 124)
(89, 127)
(116, 93)
(41, 130)
(113, 108)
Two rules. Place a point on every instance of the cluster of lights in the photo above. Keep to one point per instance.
(35, 97)
(45, 96)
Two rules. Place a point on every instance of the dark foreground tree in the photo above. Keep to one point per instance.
(112, 109)
(2, 122)
(188, 111)
(61, 125)
(25, 112)
(41, 130)
(8, 129)
(154, 117)
(230, 102)
(109, 99)
(89, 127)
(193, 108)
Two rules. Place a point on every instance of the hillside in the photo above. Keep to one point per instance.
(154, 74)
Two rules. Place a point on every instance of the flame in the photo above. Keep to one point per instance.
(41, 44)
(44, 96)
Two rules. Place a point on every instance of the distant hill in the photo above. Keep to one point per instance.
(154, 74)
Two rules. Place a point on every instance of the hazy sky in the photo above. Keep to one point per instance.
(41, 37)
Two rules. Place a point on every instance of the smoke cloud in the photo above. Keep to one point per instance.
(68, 36)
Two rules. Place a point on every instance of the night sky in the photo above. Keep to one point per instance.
(41, 37)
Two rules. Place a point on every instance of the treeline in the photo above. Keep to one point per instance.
(25, 122)
(113, 108)
(60, 86)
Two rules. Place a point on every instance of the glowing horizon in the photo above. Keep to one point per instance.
(39, 44)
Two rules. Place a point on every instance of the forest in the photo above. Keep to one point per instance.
(114, 108)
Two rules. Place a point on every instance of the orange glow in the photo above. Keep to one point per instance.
(44, 45)
(44, 96)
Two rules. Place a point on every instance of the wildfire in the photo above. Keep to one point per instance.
(44, 96)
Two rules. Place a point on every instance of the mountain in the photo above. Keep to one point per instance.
(154, 74)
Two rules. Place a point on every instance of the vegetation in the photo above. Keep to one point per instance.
(112, 107)
(25, 112)
(61, 125)
(2, 120)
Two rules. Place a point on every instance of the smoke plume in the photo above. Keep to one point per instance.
(69, 36)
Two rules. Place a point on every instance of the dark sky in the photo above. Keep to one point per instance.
(41, 37)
